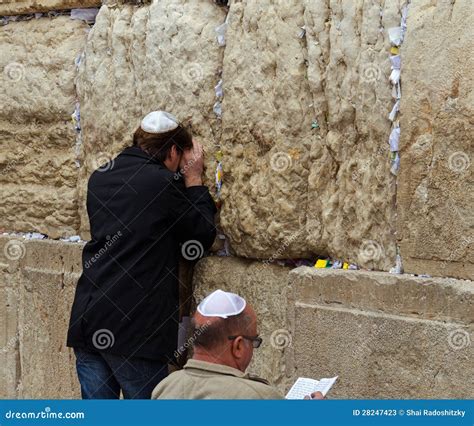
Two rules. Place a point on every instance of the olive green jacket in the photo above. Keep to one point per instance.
(205, 380)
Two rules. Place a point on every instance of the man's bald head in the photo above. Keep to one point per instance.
(213, 332)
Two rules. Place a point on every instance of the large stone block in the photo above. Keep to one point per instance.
(11, 252)
(15, 7)
(384, 336)
(37, 287)
(292, 190)
(435, 198)
(49, 275)
(140, 59)
(38, 173)
(264, 287)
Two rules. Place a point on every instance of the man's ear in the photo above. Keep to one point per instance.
(172, 153)
(238, 347)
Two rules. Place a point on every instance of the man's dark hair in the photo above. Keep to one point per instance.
(208, 336)
(159, 145)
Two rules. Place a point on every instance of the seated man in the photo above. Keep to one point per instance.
(224, 337)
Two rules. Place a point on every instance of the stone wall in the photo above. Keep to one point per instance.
(304, 125)
(304, 137)
(435, 196)
(275, 86)
(38, 171)
(321, 190)
(386, 336)
(37, 284)
(16, 7)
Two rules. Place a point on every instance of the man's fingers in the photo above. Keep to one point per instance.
(198, 150)
(317, 395)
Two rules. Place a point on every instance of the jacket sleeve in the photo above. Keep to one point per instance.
(192, 213)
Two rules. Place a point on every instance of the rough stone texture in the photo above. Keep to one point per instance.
(386, 336)
(264, 286)
(9, 365)
(15, 7)
(46, 297)
(342, 324)
(38, 173)
(39, 282)
(291, 190)
(435, 197)
(162, 56)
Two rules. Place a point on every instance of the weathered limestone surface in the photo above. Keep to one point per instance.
(436, 197)
(15, 7)
(9, 365)
(382, 333)
(39, 280)
(264, 286)
(291, 190)
(38, 174)
(162, 56)
(386, 336)
(46, 296)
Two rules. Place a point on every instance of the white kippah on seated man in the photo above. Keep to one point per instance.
(224, 337)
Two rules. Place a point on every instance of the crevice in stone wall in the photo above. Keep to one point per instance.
(396, 39)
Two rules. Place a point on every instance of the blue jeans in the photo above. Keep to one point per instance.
(103, 375)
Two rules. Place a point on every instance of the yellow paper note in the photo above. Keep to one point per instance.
(321, 263)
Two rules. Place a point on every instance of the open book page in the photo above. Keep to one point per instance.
(304, 386)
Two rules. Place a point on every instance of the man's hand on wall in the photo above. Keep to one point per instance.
(192, 165)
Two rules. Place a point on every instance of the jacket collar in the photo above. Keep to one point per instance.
(213, 368)
(135, 151)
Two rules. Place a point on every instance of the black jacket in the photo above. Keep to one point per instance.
(126, 300)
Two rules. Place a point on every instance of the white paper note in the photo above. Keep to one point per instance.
(304, 386)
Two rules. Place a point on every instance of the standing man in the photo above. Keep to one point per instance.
(142, 206)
